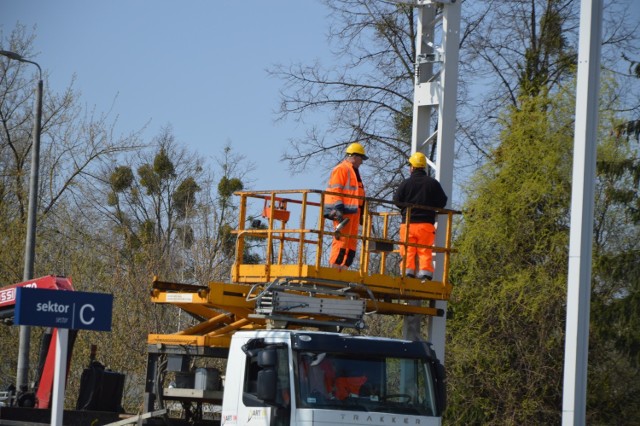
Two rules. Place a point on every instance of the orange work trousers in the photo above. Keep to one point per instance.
(343, 250)
(419, 233)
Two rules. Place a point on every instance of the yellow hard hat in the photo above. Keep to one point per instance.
(357, 149)
(418, 160)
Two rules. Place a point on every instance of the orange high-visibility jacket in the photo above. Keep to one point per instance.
(344, 180)
(346, 386)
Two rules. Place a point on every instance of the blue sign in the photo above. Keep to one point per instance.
(63, 309)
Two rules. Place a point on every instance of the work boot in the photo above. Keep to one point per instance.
(425, 276)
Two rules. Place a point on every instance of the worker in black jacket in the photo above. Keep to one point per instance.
(419, 189)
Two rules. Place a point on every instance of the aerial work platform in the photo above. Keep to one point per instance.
(290, 283)
(295, 249)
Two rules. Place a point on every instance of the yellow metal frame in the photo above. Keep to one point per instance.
(318, 238)
(299, 252)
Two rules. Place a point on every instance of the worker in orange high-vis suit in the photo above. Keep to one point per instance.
(346, 182)
(422, 190)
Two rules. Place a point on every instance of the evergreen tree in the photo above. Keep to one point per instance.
(506, 336)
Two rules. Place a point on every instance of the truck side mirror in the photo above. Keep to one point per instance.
(267, 376)
(267, 358)
(267, 383)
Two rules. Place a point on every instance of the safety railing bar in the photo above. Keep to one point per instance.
(364, 254)
(385, 232)
(321, 233)
(270, 239)
(256, 233)
(242, 217)
(303, 225)
(283, 225)
(260, 193)
(263, 233)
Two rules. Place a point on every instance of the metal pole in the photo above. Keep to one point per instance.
(22, 376)
(582, 201)
(445, 151)
(62, 345)
(435, 93)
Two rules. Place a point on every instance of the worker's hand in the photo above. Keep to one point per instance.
(338, 213)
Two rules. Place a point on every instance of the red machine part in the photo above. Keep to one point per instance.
(7, 306)
(8, 293)
(44, 391)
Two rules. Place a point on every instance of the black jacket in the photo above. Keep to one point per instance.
(423, 190)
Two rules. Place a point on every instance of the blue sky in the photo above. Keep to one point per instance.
(196, 65)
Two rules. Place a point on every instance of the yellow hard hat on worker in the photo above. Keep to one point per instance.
(356, 149)
(418, 160)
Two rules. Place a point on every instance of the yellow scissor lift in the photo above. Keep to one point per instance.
(294, 286)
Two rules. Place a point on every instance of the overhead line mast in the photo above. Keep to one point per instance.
(434, 120)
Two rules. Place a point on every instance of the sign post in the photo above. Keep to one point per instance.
(57, 407)
(63, 310)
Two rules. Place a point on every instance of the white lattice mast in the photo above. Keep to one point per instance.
(434, 119)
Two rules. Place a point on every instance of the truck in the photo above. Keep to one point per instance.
(284, 343)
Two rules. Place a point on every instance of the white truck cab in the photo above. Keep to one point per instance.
(286, 377)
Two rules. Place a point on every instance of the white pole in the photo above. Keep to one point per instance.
(582, 200)
(446, 152)
(60, 374)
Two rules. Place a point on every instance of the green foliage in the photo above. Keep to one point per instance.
(112, 199)
(184, 197)
(12, 243)
(548, 53)
(227, 186)
(163, 166)
(160, 220)
(149, 179)
(506, 334)
(614, 347)
(147, 232)
(166, 222)
(552, 37)
(186, 235)
(506, 346)
(403, 122)
(121, 178)
(228, 240)
(618, 317)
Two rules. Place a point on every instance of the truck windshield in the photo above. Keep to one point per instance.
(365, 383)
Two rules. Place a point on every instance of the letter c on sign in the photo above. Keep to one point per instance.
(91, 319)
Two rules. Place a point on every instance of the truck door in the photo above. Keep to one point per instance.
(266, 389)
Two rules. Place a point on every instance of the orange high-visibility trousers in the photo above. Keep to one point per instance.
(419, 233)
(343, 250)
